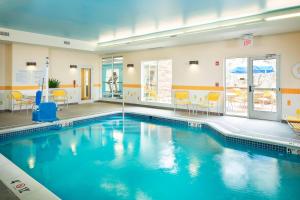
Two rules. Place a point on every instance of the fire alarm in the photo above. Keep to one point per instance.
(217, 63)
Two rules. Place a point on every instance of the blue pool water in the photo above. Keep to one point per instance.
(145, 159)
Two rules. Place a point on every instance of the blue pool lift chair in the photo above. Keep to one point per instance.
(43, 112)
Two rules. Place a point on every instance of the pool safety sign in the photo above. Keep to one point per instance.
(19, 186)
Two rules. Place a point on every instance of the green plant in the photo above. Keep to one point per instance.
(53, 83)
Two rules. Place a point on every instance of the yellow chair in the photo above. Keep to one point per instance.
(210, 101)
(18, 99)
(294, 121)
(182, 98)
(60, 95)
(152, 94)
(266, 98)
(239, 97)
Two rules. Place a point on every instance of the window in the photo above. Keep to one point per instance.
(112, 77)
(157, 81)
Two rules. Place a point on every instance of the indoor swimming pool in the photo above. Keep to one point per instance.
(139, 157)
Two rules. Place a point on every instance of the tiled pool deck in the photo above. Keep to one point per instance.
(248, 129)
(243, 126)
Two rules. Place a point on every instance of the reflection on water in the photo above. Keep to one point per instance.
(194, 166)
(31, 162)
(157, 146)
(240, 169)
(73, 148)
(117, 188)
(118, 145)
(140, 195)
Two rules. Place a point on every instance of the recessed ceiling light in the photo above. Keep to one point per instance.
(291, 15)
(182, 31)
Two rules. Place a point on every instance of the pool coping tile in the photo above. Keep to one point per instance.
(20, 183)
(217, 127)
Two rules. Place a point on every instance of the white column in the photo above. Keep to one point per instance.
(47, 79)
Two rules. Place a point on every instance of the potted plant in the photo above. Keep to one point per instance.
(53, 83)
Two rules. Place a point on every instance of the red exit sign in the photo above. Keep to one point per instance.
(247, 40)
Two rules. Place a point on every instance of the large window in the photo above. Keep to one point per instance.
(157, 81)
(112, 77)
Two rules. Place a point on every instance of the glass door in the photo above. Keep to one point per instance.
(264, 95)
(149, 81)
(236, 86)
(85, 84)
(112, 77)
(156, 79)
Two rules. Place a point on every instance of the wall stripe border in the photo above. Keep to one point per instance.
(290, 90)
(188, 87)
(174, 87)
(97, 85)
(132, 85)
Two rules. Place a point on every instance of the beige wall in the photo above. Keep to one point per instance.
(286, 45)
(21, 54)
(207, 74)
(2, 65)
(61, 60)
(13, 60)
(5, 73)
(5, 64)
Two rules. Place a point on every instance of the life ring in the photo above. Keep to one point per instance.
(296, 70)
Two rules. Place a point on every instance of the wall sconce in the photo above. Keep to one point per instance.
(194, 62)
(31, 64)
(130, 65)
(73, 66)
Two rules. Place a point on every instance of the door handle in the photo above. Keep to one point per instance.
(250, 88)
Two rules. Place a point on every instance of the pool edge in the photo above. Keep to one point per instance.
(292, 147)
(22, 184)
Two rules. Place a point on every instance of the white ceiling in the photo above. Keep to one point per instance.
(111, 26)
(257, 29)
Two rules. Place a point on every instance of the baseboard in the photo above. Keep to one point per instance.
(5, 110)
(159, 107)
